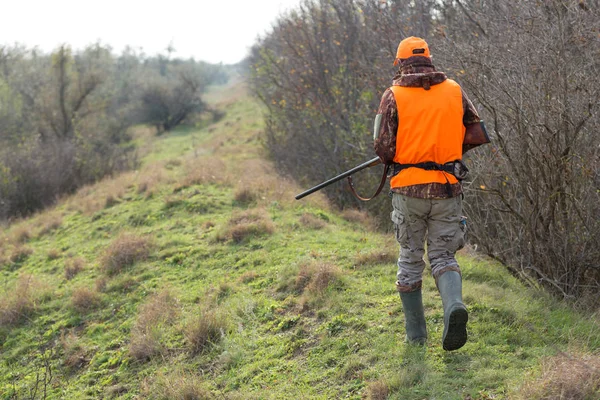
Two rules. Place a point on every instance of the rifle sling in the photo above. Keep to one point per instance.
(381, 184)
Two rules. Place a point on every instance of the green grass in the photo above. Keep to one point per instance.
(269, 332)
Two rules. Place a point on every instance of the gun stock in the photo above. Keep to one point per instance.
(371, 163)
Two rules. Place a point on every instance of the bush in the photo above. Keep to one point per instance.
(205, 330)
(19, 303)
(84, 299)
(124, 251)
(565, 377)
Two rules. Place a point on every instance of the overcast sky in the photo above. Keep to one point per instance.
(209, 30)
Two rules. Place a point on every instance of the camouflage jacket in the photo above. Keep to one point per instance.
(415, 72)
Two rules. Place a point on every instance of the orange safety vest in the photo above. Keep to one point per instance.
(430, 129)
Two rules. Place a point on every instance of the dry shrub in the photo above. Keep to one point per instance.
(53, 254)
(246, 224)
(357, 216)
(377, 390)
(73, 352)
(386, 255)
(205, 330)
(176, 386)
(19, 302)
(316, 277)
(245, 194)
(202, 170)
(105, 193)
(312, 222)
(148, 331)
(150, 178)
(265, 184)
(85, 299)
(248, 276)
(566, 377)
(73, 267)
(49, 222)
(19, 253)
(21, 234)
(124, 251)
(101, 284)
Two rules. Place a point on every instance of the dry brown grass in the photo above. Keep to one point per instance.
(176, 386)
(53, 254)
(386, 255)
(19, 302)
(74, 354)
(315, 277)
(565, 377)
(124, 251)
(248, 276)
(312, 222)
(21, 233)
(19, 253)
(203, 170)
(109, 191)
(377, 390)
(205, 330)
(154, 316)
(73, 266)
(49, 222)
(358, 216)
(245, 224)
(151, 178)
(85, 299)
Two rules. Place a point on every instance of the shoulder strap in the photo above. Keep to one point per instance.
(381, 184)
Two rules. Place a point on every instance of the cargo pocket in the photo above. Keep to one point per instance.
(461, 233)
(399, 227)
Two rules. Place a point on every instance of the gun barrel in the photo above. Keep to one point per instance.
(371, 163)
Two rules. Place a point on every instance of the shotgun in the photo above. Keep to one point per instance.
(371, 163)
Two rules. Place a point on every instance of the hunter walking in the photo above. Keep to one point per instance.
(424, 125)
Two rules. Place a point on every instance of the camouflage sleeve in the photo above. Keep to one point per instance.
(475, 133)
(385, 140)
(470, 115)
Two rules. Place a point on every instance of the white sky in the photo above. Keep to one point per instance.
(209, 30)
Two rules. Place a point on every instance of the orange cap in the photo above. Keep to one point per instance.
(412, 46)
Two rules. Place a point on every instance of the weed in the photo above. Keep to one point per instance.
(246, 224)
(386, 255)
(357, 216)
(204, 170)
(74, 354)
(21, 234)
(248, 276)
(49, 222)
(85, 299)
(178, 385)
(205, 330)
(73, 267)
(124, 251)
(101, 284)
(19, 303)
(146, 339)
(53, 254)
(245, 195)
(565, 377)
(312, 222)
(20, 254)
(377, 390)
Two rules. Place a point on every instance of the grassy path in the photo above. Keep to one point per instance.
(199, 277)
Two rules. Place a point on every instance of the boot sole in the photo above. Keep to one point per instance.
(455, 334)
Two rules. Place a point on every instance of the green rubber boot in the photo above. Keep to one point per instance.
(414, 317)
(455, 312)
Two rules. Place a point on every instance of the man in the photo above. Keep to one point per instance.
(424, 125)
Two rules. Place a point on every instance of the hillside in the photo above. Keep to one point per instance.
(200, 277)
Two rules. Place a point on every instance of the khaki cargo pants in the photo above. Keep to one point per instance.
(441, 223)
